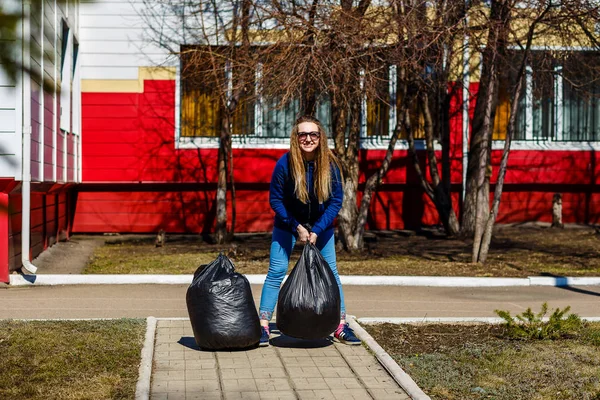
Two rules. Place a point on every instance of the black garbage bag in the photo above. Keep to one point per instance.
(309, 301)
(221, 307)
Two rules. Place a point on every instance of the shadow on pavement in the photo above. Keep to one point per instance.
(190, 343)
(280, 340)
(277, 339)
(563, 283)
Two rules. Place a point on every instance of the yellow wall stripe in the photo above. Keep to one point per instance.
(128, 85)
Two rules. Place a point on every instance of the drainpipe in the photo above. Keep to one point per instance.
(26, 157)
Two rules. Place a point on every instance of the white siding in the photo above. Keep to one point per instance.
(7, 97)
(37, 40)
(43, 41)
(10, 109)
(115, 40)
(10, 142)
(119, 36)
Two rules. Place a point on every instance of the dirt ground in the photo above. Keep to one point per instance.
(515, 251)
(476, 361)
(69, 257)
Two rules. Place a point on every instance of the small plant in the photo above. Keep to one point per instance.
(534, 326)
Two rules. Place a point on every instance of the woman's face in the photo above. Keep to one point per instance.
(308, 137)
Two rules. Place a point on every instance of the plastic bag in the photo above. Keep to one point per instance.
(221, 307)
(309, 301)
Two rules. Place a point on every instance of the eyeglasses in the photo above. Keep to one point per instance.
(313, 135)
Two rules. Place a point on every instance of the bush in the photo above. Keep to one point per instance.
(534, 326)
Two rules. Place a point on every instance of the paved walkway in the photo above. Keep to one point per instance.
(141, 301)
(285, 370)
(288, 369)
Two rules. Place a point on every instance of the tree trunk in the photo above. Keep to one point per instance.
(483, 123)
(230, 100)
(348, 156)
(443, 205)
(375, 180)
(476, 205)
(481, 215)
(487, 232)
(434, 190)
(440, 196)
(233, 196)
(224, 152)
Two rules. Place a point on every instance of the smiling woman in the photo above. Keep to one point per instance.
(306, 195)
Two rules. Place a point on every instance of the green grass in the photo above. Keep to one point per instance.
(476, 362)
(70, 359)
(515, 252)
(140, 259)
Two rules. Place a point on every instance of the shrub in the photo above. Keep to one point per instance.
(534, 326)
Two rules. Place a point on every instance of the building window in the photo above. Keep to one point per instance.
(277, 119)
(66, 76)
(559, 102)
(580, 111)
(378, 105)
(200, 114)
(200, 99)
(256, 118)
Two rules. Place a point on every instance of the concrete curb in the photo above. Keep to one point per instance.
(563, 281)
(362, 280)
(403, 379)
(446, 320)
(142, 389)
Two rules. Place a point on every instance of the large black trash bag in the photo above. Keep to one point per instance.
(309, 301)
(221, 307)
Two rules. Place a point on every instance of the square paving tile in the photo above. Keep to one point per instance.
(304, 370)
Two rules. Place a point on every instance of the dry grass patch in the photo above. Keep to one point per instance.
(475, 361)
(515, 252)
(70, 359)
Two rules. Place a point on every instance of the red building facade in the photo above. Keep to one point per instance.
(117, 160)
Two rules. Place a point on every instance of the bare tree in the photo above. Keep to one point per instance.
(212, 40)
(510, 24)
(432, 35)
(336, 52)
(344, 52)
(324, 53)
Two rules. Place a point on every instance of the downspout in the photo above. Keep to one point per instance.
(26, 156)
(466, 81)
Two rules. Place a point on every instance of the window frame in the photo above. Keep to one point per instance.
(540, 143)
(257, 141)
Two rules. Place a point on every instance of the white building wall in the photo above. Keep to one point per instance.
(10, 143)
(116, 40)
(48, 153)
(10, 122)
(26, 107)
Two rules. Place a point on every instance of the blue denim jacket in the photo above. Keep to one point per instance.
(290, 211)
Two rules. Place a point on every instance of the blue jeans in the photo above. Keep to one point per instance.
(281, 248)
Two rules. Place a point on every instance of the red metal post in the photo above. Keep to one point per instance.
(4, 216)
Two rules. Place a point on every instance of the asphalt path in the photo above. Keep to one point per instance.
(168, 301)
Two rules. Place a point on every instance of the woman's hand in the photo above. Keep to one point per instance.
(303, 235)
(312, 238)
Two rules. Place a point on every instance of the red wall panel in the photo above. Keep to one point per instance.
(171, 211)
(129, 138)
(51, 219)
(4, 238)
(14, 230)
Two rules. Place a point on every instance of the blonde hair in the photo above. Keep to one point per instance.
(323, 159)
